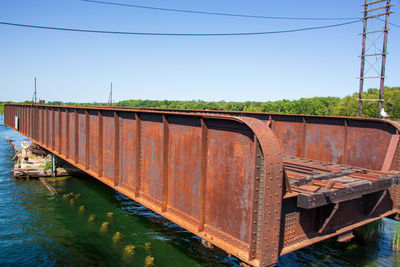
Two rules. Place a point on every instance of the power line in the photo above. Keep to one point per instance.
(389, 22)
(394, 24)
(211, 13)
(178, 34)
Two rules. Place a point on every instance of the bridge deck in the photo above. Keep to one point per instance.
(319, 183)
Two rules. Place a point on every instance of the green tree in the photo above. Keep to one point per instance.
(392, 101)
(348, 106)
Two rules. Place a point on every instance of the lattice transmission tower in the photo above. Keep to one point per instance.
(374, 47)
(110, 101)
(34, 97)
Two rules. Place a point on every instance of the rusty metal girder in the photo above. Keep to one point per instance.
(218, 176)
(253, 184)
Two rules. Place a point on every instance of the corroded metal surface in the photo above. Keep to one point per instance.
(256, 185)
(342, 140)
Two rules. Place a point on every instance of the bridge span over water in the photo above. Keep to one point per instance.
(256, 185)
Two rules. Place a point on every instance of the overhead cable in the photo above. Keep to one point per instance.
(389, 22)
(211, 13)
(176, 34)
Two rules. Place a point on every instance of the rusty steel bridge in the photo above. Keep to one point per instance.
(256, 185)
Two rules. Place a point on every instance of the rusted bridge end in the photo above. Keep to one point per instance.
(333, 197)
(269, 188)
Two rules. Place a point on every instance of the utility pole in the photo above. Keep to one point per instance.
(372, 33)
(34, 98)
(110, 96)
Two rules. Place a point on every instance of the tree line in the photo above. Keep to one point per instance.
(328, 106)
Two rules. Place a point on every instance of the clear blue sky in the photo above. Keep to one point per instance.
(79, 67)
